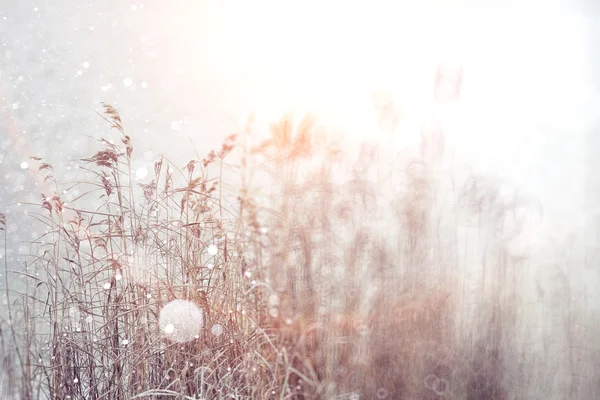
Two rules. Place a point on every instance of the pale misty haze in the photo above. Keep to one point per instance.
(184, 74)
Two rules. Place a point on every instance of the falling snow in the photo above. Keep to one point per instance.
(183, 79)
(212, 250)
(217, 329)
(141, 173)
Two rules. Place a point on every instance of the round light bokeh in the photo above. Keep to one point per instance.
(181, 321)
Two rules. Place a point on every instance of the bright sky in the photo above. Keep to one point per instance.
(330, 56)
(524, 85)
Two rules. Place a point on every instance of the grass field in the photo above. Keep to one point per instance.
(255, 272)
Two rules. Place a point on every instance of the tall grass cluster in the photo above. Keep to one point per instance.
(292, 284)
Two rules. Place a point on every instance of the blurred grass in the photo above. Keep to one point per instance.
(319, 288)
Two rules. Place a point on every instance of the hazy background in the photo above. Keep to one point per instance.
(193, 70)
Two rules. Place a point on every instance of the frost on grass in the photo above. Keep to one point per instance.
(181, 321)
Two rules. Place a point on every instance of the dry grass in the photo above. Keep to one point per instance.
(315, 293)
